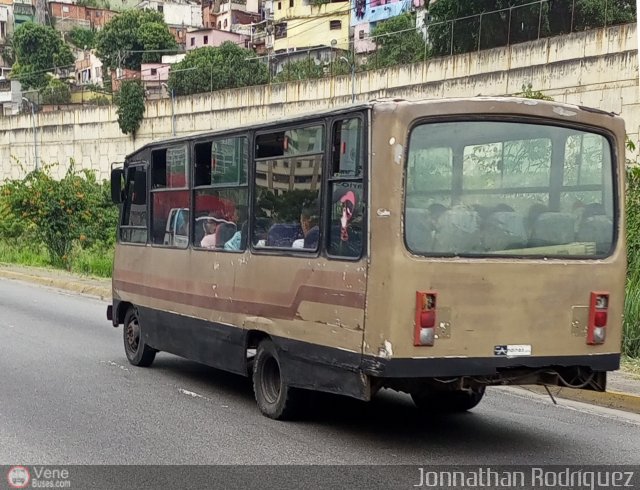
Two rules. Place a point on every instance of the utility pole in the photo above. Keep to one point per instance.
(35, 135)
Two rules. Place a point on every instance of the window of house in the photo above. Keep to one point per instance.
(287, 197)
(290, 3)
(206, 39)
(335, 25)
(279, 5)
(360, 34)
(170, 197)
(280, 30)
(221, 194)
(193, 41)
(219, 25)
(133, 228)
(160, 8)
(225, 23)
(65, 9)
(154, 71)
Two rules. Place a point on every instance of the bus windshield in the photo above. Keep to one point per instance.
(508, 188)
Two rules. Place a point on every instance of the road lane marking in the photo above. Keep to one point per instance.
(115, 364)
(192, 394)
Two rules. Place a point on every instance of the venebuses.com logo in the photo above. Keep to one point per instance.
(18, 477)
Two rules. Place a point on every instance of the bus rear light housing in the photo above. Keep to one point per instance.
(598, 316)
(425, 319)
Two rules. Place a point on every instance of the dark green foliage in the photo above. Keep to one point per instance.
(56, 92)
(300, 70)
(134, 30)
(519, 21)
(38, 50)
(82, 38)
(130, 103)
(59, 213)
(396, 47)
(206, 69)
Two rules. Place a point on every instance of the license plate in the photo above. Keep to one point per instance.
(512, 350)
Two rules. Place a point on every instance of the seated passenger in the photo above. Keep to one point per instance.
(211, 225)
(310, 230)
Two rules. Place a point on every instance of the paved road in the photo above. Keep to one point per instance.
(68, 395)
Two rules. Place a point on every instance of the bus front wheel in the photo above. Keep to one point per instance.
(448, 401)
(275, 398)
(138, 352)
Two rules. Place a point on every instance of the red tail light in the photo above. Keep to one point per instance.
(598, 315)
(425, 320)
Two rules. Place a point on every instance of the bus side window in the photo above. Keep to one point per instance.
(346, 213)
(170, 197)
(134, 216)
(288, 181)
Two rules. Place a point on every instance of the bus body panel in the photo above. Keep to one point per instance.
(484, 302)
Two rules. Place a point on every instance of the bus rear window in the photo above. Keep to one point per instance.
(508, 188)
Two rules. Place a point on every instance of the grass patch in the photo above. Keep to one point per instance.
(631, 329)
(95, 261)
(23, 252)
(631, 366)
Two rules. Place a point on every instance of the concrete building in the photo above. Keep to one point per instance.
(10, 97)
(366, 15)
(300, 24)
(213, 37)
(176, 13)
(23, 11)
(230, 15)
(89, 69)
(154, 78)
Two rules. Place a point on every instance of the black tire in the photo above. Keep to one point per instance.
(448, 401)
(138, 353)
(274, 397)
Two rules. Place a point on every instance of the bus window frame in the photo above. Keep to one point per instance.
(288, 251)
(524, 119)
(150, 191)
(248, 135)
(364, 178)
(127, 165)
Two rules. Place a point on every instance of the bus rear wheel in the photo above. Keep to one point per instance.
(448, 401)
(138, 352)
(275, 398)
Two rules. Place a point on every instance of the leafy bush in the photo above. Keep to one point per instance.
(82, 38)
(56, 92)
(58, 213)
(130, 103)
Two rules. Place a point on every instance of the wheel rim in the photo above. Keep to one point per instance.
(133, 335)
(271, 380)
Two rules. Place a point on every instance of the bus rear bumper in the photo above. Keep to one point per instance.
(482, 366)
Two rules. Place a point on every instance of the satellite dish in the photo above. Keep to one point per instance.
(333, 42)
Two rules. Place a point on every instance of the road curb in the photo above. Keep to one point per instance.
(609, 399)
(101, 292)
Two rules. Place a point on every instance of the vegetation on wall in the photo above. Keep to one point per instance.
(398, 42)
(82, 38)
(130, 102)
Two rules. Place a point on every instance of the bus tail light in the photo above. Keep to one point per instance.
(598, 315)
(425, 322)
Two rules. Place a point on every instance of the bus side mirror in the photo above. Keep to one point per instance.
(116, 185)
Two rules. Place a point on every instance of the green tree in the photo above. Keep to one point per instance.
(483, 24)
(82, 38)
(300, 70)
(130, 102)
(38, 50)
(227, 66)
(61, 212)
(398, 42)
(126, 40)
(55, 92)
